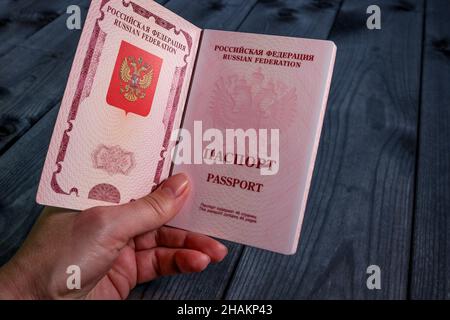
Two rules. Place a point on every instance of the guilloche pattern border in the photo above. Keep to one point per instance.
(87, 76)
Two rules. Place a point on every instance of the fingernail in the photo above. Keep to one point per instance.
(176, 185)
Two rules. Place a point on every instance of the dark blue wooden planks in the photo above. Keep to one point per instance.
(34, 75)
(430, 276)
(21, 19)
(20, 171)
(33, 78)
(213, 14)
(361, 201)
(296, 18)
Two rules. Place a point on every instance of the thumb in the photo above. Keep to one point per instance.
(151, 212)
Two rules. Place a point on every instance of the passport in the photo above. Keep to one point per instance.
(150, 95)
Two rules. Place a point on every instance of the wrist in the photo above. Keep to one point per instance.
(14, 284)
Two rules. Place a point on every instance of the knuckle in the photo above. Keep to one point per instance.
(158, 205)
(97, 217)
(100, 229)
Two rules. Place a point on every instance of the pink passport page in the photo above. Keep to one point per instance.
(259, 84)
(150, 94)
(125, 95)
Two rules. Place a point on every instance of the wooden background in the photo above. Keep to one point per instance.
(381, 188)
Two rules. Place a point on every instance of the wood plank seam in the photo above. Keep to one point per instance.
(247, 15)
(417, 155)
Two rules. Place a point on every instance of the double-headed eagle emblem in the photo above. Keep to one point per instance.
(136, 76)
(238, 97)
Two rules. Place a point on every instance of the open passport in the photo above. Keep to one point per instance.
(150, 95)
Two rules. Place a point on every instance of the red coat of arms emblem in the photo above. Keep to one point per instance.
(134, 80)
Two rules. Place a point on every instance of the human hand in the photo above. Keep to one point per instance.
(115, 248)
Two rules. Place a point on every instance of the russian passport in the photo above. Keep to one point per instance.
(150, 95)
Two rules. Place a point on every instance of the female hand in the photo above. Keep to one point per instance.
(114, 247)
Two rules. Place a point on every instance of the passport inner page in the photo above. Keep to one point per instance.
(262, 85)
(125, 95)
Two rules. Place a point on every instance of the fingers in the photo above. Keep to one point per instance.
(149, 213)
(165, 261)
(176, 238)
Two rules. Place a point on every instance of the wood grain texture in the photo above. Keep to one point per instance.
(361, 200)
(213, 14)
(20, 171)
(21, 19)
(33, 78)
(34, 75)
(296, 18)
(162, 2)
(430, 276)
